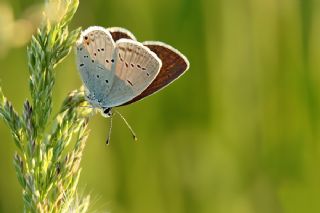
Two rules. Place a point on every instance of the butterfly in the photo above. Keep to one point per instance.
(117, 70)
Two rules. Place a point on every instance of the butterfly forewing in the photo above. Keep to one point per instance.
(174, 64)
(136, 67)
(95, 61)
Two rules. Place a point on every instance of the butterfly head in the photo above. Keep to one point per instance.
(95, 103)
(106, 112)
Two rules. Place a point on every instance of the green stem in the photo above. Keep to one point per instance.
(47, 172)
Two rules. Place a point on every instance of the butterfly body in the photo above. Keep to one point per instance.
(117, 70)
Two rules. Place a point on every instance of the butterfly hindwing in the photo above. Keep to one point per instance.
(174, 64)
(119, 33)
(135, 69)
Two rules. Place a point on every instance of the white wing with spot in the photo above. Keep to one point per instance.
(135, 68)
(95, 50)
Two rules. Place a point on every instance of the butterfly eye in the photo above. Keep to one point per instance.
(107, 111)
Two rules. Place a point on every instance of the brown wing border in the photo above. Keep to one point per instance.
(174, 64)
(118, 33)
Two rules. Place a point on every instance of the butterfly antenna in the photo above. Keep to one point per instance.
(109, 133)
(128, 125)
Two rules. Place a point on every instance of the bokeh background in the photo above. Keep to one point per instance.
(238, 133)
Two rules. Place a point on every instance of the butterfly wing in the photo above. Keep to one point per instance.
(174, 64)
(94, 51)
(136, 67)
(118, 33)
(125, 72)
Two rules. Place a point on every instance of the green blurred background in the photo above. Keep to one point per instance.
(239, 132)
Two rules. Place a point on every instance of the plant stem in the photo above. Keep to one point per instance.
(47, 171)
